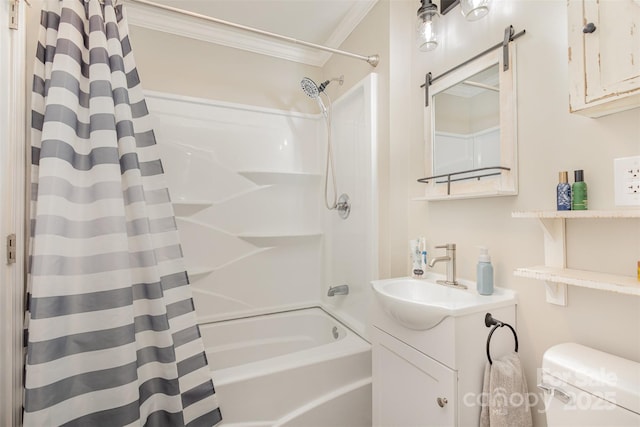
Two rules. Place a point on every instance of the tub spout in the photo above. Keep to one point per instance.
(338, 290)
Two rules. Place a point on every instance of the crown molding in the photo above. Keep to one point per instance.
(355, 15)
(145, 16)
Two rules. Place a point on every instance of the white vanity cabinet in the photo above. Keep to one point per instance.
(604, 56)
(410, 387)
(433, 377)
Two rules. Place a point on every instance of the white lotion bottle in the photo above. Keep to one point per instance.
(484, 273)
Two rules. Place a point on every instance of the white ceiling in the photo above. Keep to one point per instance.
(324, 22)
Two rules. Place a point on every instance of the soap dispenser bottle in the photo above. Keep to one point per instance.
(484, 273)
(563, 192)
(579, 192)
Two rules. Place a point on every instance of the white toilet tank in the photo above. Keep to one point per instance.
(587, 387)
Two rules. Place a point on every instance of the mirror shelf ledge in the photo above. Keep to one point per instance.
(477, 195)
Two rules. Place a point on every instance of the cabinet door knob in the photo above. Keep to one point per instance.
(589, 28)
(441, 401)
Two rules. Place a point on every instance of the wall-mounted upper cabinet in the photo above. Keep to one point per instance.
(604, 56)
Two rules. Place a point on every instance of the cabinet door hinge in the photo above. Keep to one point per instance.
(11, 249)
(14, 6)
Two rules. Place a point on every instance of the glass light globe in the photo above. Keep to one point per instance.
(427, 33)
(472, 10)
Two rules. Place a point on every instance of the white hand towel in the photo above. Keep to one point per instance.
(505, 394)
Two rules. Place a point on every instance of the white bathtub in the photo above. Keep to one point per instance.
(299, 368)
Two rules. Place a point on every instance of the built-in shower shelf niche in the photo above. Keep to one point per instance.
(196, 274)
(200, 272)
(189, 207)
(266, 240)
(186, 207)
(279, 178)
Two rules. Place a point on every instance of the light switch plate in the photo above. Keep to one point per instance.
(627, 181)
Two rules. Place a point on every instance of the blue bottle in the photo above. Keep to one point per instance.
(563, 193)
(484, 273)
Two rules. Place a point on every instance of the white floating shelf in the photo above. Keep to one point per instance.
(264, 240)
(619, 213)
(555, 249)
(190, 207)
(278, 178)
(586, 279)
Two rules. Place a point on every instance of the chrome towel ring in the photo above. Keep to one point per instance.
(490, 321)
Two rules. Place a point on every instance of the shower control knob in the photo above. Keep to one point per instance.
(442, 401)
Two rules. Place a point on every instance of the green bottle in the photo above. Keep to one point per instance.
(579, 192)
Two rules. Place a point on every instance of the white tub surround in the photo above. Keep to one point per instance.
(351, 248)
(245, 182)
(247, 185)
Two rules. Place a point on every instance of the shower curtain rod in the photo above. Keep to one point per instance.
(373, 60)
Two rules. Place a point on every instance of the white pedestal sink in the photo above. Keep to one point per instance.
(421, 304)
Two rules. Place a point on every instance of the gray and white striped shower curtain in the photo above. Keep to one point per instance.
(112, 332)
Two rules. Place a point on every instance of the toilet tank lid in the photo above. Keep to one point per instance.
(602, 374)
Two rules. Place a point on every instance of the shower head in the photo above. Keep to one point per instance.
(310, 88)
(313, 90)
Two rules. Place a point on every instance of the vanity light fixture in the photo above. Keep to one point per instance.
(428, 18)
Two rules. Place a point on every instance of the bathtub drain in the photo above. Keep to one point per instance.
(335, 333)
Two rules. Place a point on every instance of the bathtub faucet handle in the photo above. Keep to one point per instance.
(338, 290)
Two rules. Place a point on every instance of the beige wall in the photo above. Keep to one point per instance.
(184, 66)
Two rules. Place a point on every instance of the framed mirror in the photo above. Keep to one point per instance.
(470, 131)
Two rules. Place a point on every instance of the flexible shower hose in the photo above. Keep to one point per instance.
(329, 162)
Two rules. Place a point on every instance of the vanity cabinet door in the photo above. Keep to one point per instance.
(604, 61)
(409, 388)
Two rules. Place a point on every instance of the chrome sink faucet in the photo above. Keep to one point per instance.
(450, 258)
